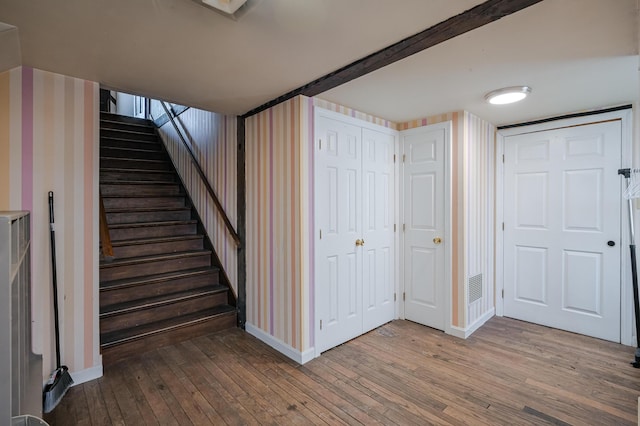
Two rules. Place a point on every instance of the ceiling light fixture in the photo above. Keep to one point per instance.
(507, 95)
(233, 9)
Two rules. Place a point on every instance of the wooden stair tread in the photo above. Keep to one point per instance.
(147, 125)
(148, 224)
(144, 196)
(127, 335)
(141, 241)
(133, 171)
(148, 279)
(123, 118)
(149, 151)
(152, 258)
(148, 160)
(138, 182)
(146, 209)
(155, 301)
(145, 145)
(131, 132)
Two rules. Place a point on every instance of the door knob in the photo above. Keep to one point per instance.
(611, 243)
(359, 242)
(437, 240)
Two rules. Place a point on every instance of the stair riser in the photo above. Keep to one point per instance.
(130, 127)
(141, 190)
(106, 151)
(135, 250)
(122, 163)
(141, 217)
(124, 119)
(123, 134)
(152, 232)
(155, 267)
(116, 353)
(125, 143)
(159, 313)
(111, 297)
(108, 175)
(122, 203)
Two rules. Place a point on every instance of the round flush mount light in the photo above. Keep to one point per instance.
(507, 95)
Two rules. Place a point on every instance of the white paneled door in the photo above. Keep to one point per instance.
(378, 206)
(562, 228)
(424, 227)
(354, 246)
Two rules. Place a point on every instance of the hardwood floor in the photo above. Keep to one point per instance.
(508, 372)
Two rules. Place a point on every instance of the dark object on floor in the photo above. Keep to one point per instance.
(60, 380)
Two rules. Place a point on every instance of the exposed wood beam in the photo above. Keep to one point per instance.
(483, 14)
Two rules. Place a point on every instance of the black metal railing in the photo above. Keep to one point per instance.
(203, 177)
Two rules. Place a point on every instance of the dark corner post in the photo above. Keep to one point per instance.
(634, 271)
(241, 225)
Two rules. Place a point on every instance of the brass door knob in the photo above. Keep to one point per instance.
(437, 240)
(359, 242)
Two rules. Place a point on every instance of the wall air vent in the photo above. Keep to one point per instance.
(475, 288)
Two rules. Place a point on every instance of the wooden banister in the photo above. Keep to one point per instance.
(204, 179)
(105, 237)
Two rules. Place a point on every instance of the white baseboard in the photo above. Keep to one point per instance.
(280, 346)
(86, 375)
(463, 333)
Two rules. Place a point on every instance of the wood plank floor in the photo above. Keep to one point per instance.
(508, 372)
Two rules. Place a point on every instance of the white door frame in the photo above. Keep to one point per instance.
(627, 335)
(448, 126)
(321, 112)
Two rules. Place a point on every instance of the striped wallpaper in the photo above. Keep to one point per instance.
(321, 103)
(479, 202)
(213, 139)
(49, 142)
(279, 216)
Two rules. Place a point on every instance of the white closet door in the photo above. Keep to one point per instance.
(562, 211)
(338, 201)
(377, 223)
(424, 224)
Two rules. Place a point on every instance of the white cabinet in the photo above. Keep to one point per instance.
(21, 372)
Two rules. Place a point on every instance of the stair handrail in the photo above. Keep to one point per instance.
(105, 236)
(204, 179)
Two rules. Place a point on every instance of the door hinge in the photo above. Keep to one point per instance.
(394, 158)
(320, 144)
(404, 227)
(503, 158)
(503, 293)
(320, 324)
(394, 297)
(394, 227)
(404, 157)
(404, 296)
(321, 234)
(503, 226)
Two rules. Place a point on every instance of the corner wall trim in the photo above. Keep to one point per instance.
(280, 346)
(86, 375)
(463, 333)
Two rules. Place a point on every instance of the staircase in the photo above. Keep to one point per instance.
(164, 283)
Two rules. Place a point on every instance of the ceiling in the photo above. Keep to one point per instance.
(575, 54)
